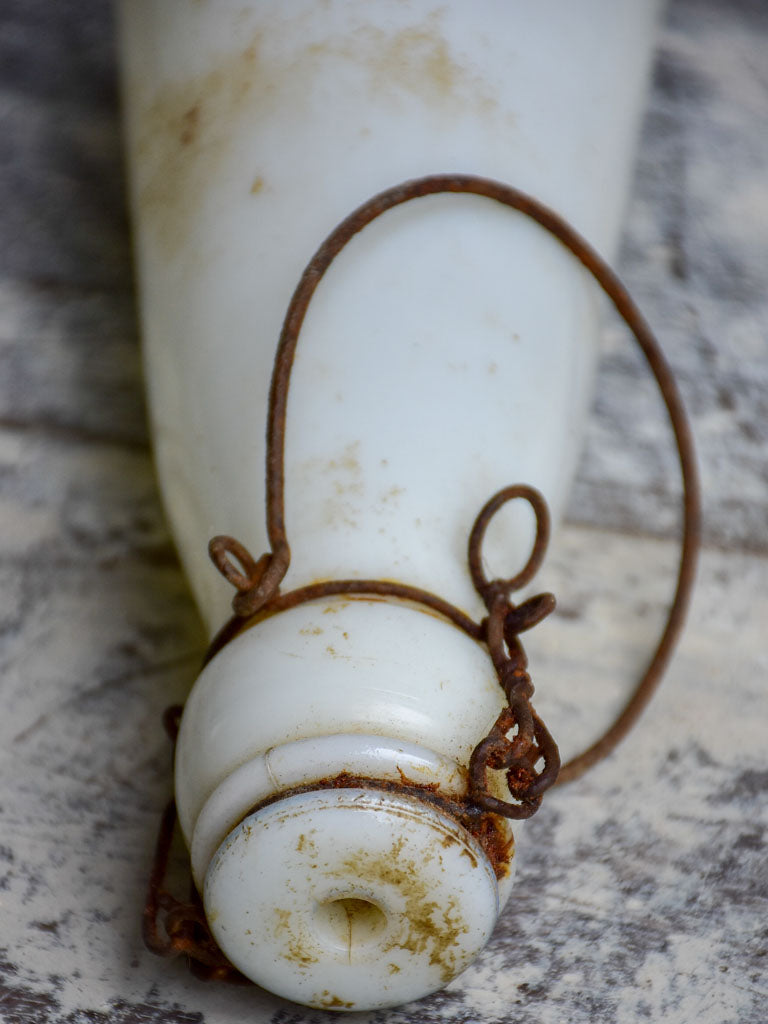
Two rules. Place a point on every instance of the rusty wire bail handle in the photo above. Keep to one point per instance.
(518, 742)
(258, 581)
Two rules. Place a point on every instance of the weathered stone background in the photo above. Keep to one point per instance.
(642, 889)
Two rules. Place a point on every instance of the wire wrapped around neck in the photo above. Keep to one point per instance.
(259, 581)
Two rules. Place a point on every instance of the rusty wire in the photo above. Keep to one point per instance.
(499, 631)
(518, 743)
(258, 585)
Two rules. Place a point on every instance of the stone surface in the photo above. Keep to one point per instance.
(642, 889)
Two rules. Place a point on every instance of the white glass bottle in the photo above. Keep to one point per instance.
(438, 339)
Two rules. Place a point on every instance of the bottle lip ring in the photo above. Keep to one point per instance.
(385, 762)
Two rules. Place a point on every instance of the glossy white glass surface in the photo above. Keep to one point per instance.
(447, 353)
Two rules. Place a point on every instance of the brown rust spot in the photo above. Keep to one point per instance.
(334, 609)
(434, 66)
(392, 494)
(305, 842)
(190, 122)
(425, 927)
(498, 847)
(294, 946)
(397, 846)
(348, 461)
(187, 132)
(283, 920)
(431, 787)
(339, 514)
(416, 62)
(328, 1002)
(342, 489)
(297, 953)
(183, 138)
(466, 852)
(346, 478)
(488, 830)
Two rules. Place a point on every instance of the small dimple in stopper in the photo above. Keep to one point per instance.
(350, 923)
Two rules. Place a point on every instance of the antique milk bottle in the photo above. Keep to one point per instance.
(446, 353)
